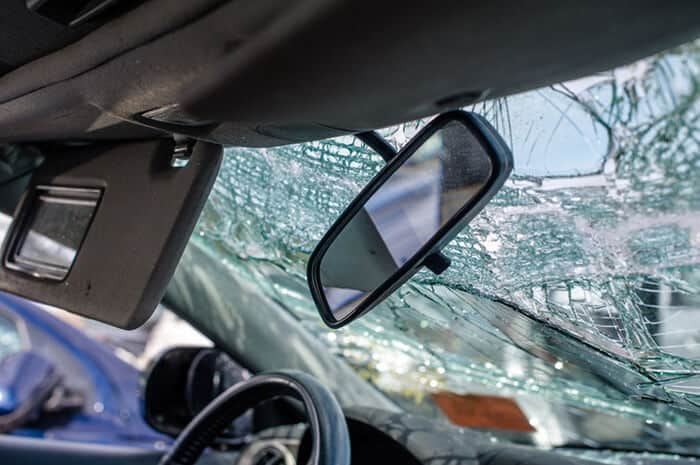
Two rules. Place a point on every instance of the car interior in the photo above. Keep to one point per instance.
(114, 116)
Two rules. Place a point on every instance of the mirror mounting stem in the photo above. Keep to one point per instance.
(437, 262)
(376, 142)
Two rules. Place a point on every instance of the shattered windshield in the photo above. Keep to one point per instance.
(573, 299)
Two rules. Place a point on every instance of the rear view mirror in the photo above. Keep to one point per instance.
(438, 183)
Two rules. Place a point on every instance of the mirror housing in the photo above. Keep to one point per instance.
(182, 381)
(27, 380)
(406, 214)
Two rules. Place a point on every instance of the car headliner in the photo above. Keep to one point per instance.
(262, 73)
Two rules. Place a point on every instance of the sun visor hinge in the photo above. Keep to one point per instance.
(182, 151)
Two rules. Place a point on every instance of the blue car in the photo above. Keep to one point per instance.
(56, 382)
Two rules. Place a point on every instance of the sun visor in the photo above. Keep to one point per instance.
(99, 229)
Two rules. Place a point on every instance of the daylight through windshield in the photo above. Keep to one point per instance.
(574, 294)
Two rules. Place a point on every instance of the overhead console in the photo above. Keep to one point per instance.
(98, 229)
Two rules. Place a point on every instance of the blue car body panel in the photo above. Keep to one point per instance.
(22, 374)
(114, 415)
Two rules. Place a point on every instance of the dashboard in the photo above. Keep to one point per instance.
(211, 389)
(369, 444)
(381, 437)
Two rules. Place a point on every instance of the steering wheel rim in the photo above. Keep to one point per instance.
(329, 432)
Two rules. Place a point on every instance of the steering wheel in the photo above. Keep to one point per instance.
(329, 432)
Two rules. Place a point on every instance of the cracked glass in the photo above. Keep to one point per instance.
(575, 293)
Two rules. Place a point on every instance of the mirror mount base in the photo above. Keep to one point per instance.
(437, 262)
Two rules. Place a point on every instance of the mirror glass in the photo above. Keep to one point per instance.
(57, 221)
(432, 186)
(16, 166)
